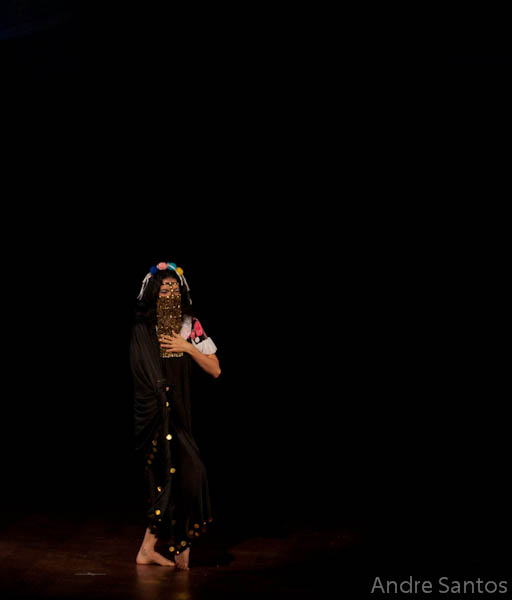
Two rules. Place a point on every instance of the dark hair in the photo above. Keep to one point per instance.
(145, 309)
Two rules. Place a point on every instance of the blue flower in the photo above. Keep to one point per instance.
(171, 266)
(153, 270)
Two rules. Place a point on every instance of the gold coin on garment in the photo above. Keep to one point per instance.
(169, 436)
(172, 470)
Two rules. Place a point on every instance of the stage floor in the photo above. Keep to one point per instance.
(45, 556)
(93, 556)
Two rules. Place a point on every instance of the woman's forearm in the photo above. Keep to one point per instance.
(210, 364)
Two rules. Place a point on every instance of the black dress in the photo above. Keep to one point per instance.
(179, 507)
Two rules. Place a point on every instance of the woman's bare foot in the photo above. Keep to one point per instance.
(149, 556)
(182, 560)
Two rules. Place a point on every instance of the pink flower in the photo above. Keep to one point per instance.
(161, 266)
(197, 328)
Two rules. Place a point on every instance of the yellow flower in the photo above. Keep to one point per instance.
(179, 270)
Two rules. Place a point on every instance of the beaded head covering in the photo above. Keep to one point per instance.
(163, 266)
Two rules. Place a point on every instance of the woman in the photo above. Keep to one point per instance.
(179, 502)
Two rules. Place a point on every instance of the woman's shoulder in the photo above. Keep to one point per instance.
(141, 333)
(192, 329)
(199, 338)
(197, 329)
(139, 325)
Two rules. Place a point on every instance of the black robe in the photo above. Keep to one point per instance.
(179, 502)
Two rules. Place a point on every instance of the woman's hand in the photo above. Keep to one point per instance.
(175, 343)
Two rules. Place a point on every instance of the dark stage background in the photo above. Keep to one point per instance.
(360, 341)
(359, 388)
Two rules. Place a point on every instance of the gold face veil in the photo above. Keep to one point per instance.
(168, 308)
(168, 314)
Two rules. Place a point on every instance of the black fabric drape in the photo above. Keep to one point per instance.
(177, 486)
(149, 384)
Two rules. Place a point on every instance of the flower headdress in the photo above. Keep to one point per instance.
(164, 267)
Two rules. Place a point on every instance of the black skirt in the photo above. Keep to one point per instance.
(179, 508)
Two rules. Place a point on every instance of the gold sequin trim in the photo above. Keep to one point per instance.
(172, 470)
(169, 436)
